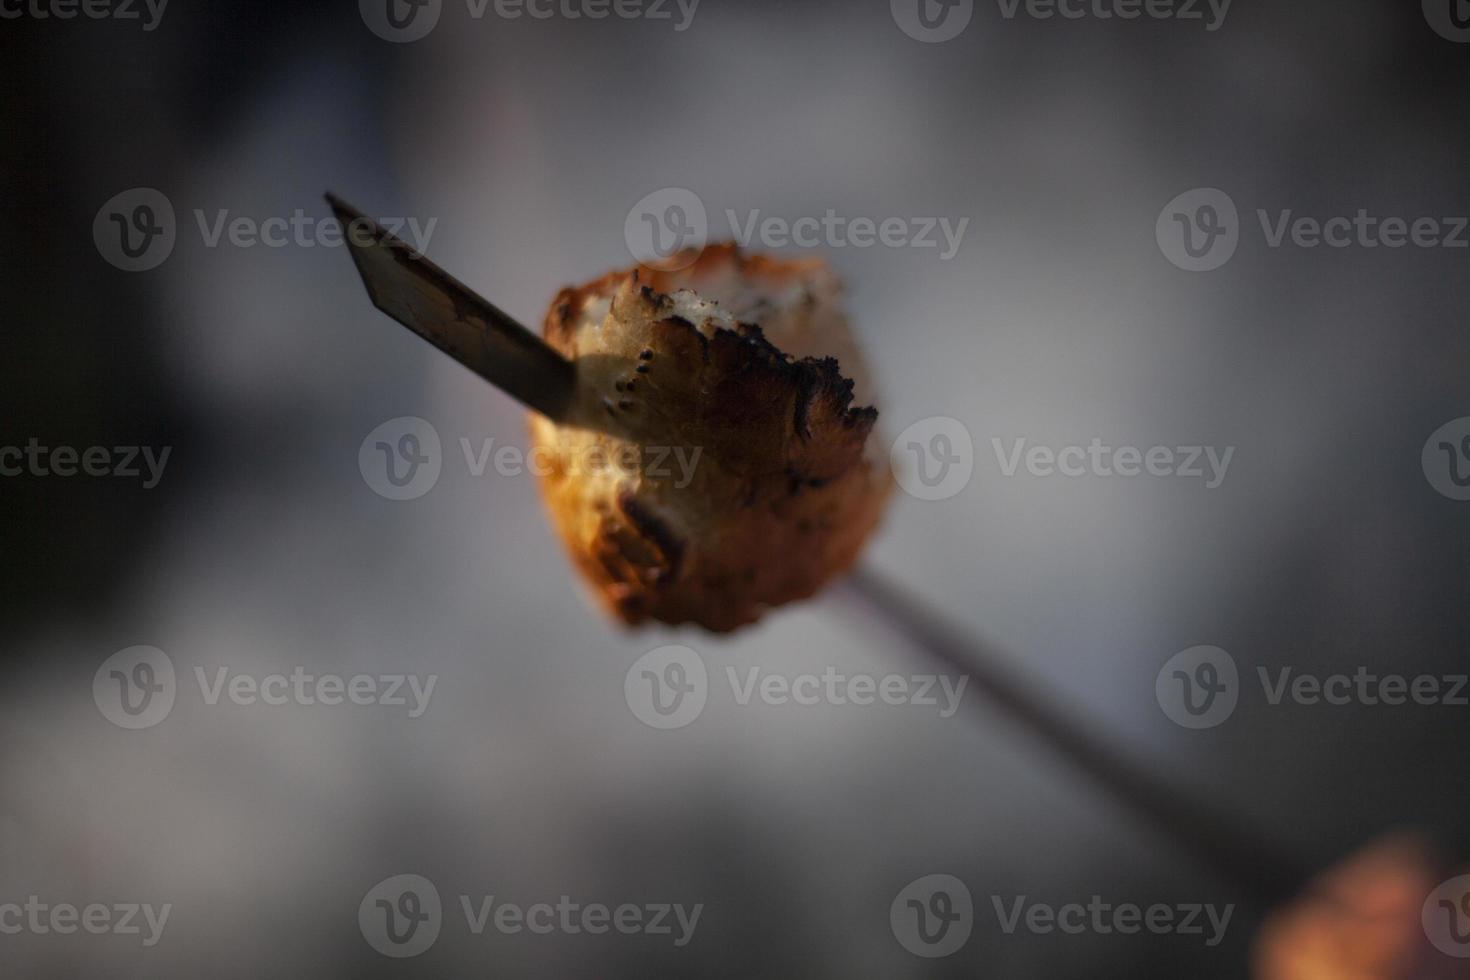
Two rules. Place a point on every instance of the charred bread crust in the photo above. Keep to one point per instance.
(706, 474)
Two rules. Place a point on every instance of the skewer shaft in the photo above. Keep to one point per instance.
(1255, 864)
(454, 318)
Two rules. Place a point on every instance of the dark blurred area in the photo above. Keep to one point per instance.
(262, 548)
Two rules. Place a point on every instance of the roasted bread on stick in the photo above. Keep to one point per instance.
(712, 464)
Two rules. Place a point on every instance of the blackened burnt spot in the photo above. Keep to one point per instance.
(797, 480)
(657, 301)
(801, 421)
(751, 331)
(560, 325)
(653, 528)
(682, 326)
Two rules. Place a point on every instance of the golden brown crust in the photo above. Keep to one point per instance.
(706, 474)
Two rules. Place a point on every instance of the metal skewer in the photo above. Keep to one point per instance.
(1257, 866)
(440, 309)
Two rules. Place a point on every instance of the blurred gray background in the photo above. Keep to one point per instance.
(263, 548)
